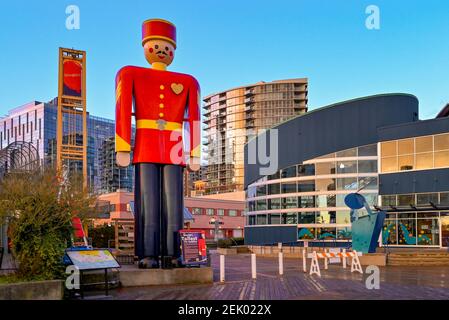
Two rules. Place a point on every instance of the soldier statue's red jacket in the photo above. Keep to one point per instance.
(163, 101)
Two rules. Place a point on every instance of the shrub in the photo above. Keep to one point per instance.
(101, 235)
(39, 213)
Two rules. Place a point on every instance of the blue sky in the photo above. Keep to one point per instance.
(231, 43)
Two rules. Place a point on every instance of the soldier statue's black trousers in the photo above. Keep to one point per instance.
(159, 205)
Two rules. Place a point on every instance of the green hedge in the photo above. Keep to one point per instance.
(230, 242)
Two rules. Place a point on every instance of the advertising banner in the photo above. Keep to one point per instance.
(72, 74)
(193, 246)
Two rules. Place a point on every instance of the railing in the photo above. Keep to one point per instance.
(344, 244)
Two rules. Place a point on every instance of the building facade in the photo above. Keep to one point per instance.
(234, 116)
(229, 213)
(113, 177)
(35, 122)
(375, 146)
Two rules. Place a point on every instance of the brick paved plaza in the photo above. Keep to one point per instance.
(335, 283)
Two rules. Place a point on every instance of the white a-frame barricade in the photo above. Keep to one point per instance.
(315, 256)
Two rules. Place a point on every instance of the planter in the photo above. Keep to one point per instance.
(38, 290)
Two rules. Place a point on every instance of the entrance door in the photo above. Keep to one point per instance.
(445, 231)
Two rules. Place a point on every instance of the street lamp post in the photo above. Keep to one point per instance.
(216, 224)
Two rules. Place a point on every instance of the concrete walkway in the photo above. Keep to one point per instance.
(336, 283)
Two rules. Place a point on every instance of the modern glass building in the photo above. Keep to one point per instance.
(35, 122)
(375, 146)
(234, 116)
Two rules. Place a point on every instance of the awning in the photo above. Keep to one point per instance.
(188, 215)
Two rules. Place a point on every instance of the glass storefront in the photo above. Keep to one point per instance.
(415, 229)
(312, 194)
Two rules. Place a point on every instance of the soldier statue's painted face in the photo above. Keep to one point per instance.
(158, 50)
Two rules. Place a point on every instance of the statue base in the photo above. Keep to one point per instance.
(132, 276)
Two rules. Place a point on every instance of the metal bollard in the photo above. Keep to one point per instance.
(253, 266)
(222, 268)
(325, 260)
(304, 260)
(281, 263)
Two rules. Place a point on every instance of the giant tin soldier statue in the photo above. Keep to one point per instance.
(163, 101)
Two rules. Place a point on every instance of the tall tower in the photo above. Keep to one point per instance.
(71, 128)
(234, 116)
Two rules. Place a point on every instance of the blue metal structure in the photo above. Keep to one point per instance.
(365, 229)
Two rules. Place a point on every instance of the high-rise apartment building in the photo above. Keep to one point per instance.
(35, 123)
(113, 177)
(234, 116)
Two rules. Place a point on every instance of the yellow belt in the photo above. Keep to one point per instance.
(158, 125)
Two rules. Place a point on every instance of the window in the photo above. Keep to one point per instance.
(419, 153)
(442, 142)
(426, 198)
(347, 153)
(406, 146)
(325, 168)
(343, 217)
(289, 203)
(306, 186)
(274, 204)
(424, 144)
(251, 206)
(306, 217)
(306, 202)
(275, 219)
(261, 219)
(406, 199)
(261, 205)
(441, 159)
(289, 172)
(389, 149)
(390, 164)
(367, 166)
(196, 211)
(274, 188)
(289, 218)
(325, 184)
(274, 176)
(405, 162)
(347, 184)
(444, 198)
(251, 220)
(368, 151)
(251, 192)
(232, 213)
(261, 190)
(220, 212)
(210, 212)
(347, 167)
(325, 201)
(288, 187)
(424, 160)
(368, 183)
(389, 200)
(306, 170)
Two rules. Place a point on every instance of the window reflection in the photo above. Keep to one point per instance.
(416, 153)
(346, 167)
(325, 168)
